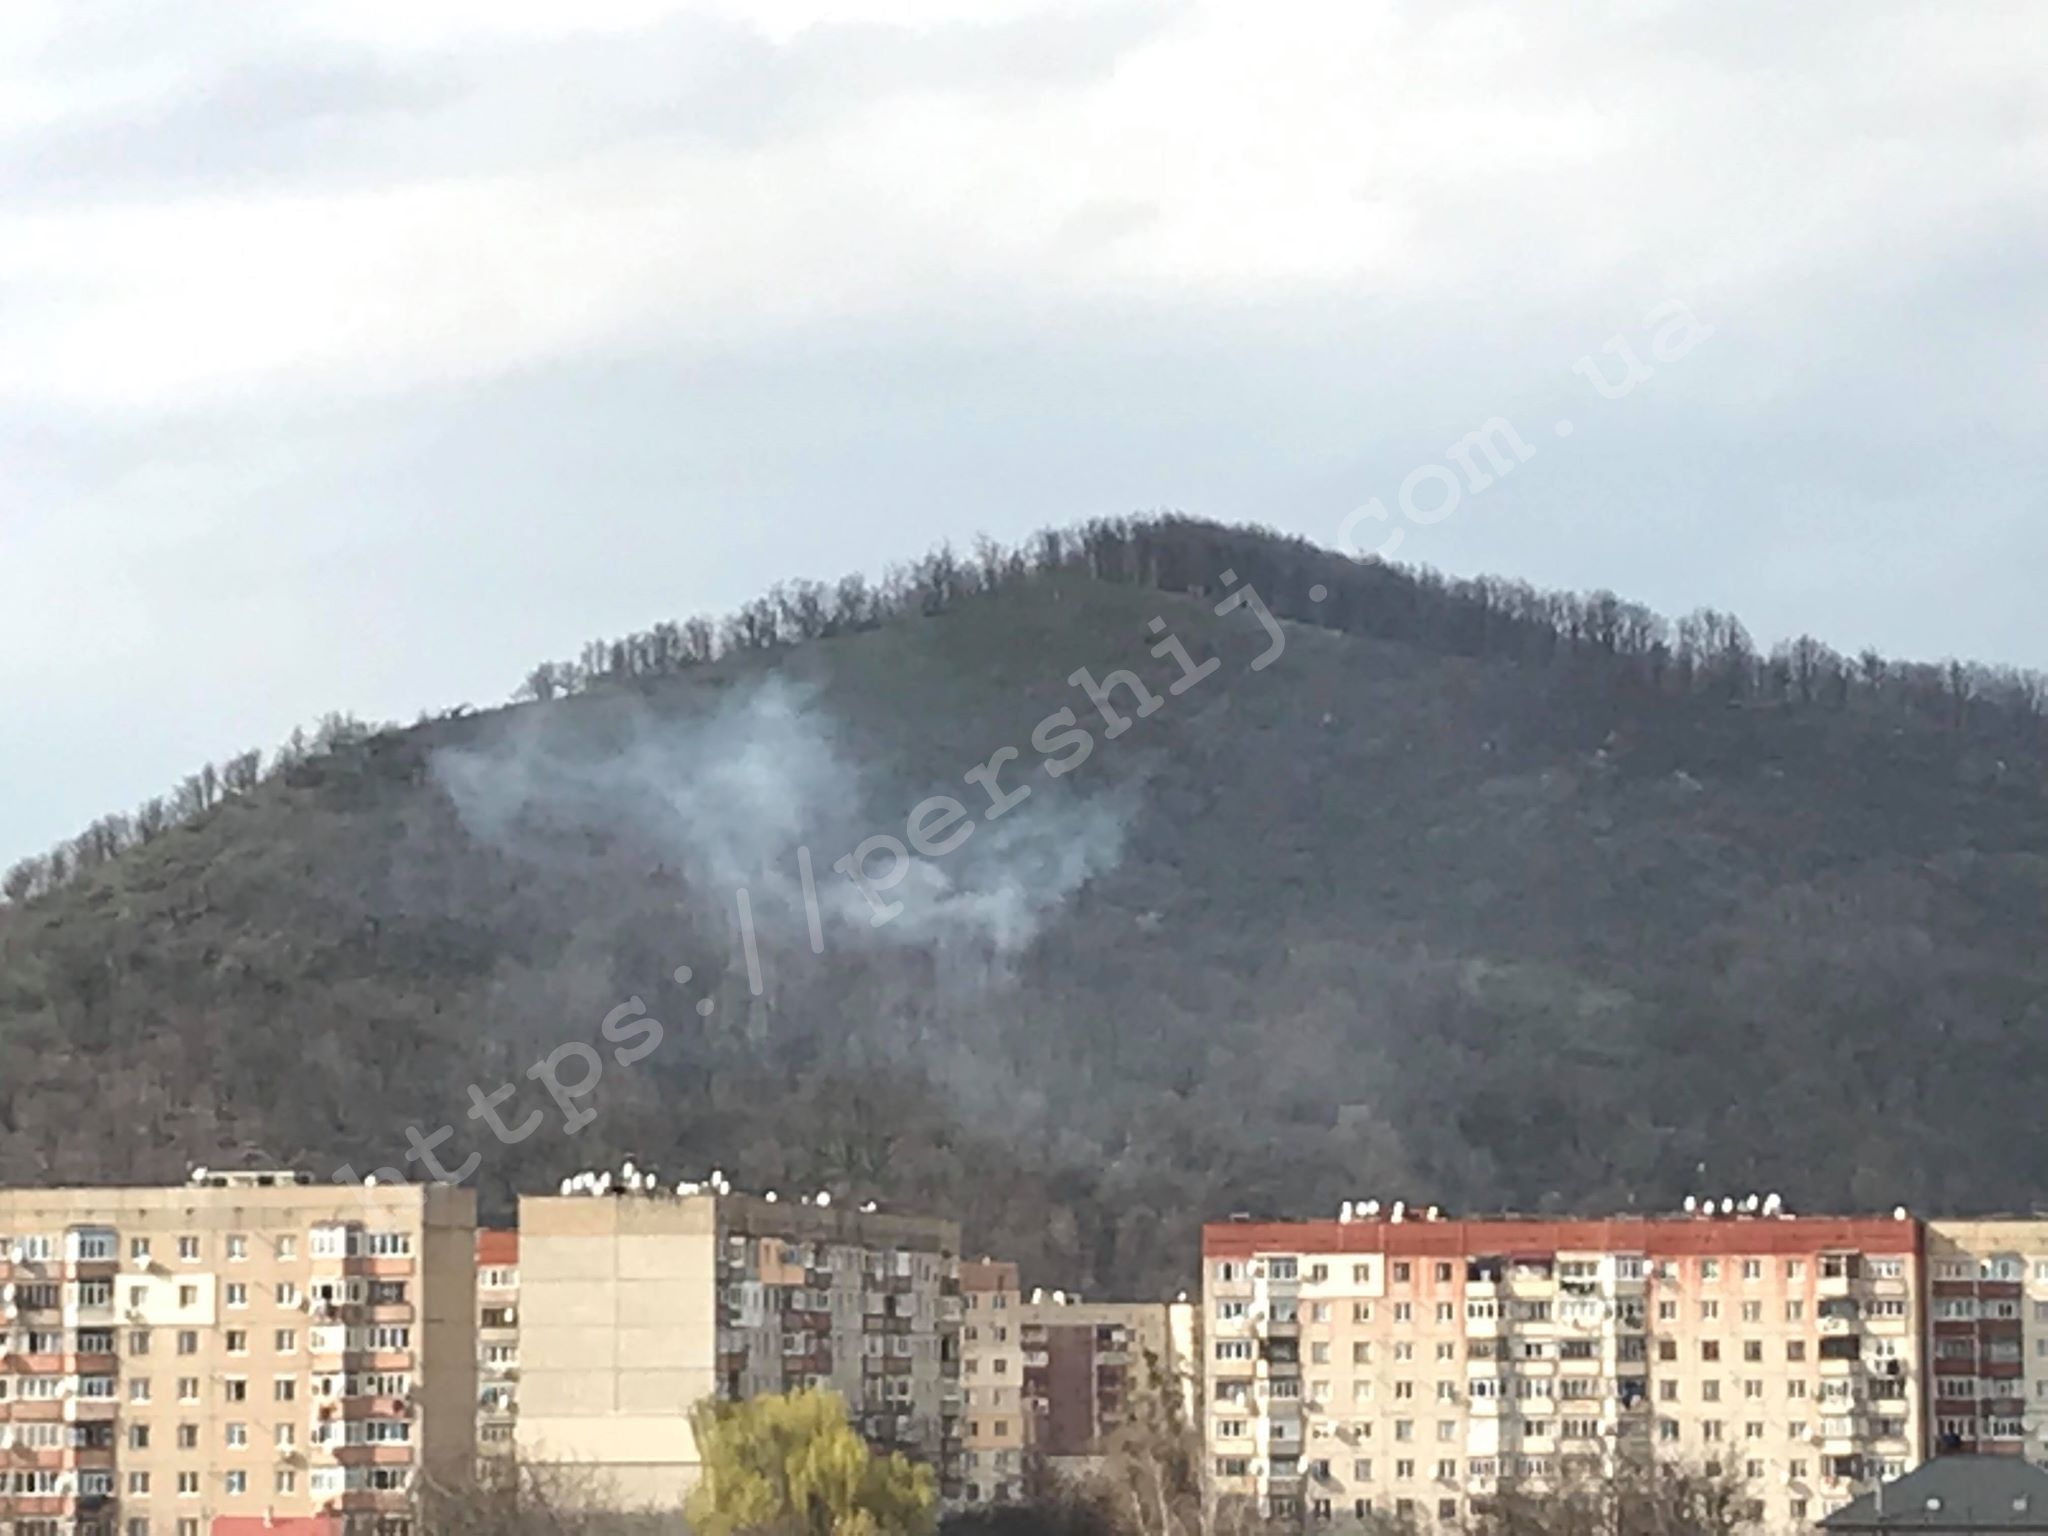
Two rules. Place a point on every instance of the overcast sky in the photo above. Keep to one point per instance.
(357, 354)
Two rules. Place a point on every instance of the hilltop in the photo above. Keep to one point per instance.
(1469, 894)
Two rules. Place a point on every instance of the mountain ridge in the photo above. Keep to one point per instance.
(1469, 896)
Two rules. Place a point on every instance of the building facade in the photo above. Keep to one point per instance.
(635, 1308)
(1413, 1367)
(1046, 1378)
(246, 1347)
(497, 1339)
(1987, 1317)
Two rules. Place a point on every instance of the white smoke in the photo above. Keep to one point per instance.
(728, 795)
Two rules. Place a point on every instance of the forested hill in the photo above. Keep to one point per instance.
(1467, 893)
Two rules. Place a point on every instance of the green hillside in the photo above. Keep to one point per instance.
(1472, 895)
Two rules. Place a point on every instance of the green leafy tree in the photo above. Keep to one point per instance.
(791, 1465)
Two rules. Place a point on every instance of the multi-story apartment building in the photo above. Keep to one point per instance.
(247, 1347)
(1987, 1317)
(1047, 1377)
(634, 1308)
(497, 1339)
(1412, 1367)
(997, 1422)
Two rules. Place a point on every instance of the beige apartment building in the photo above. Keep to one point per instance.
(1987, 1318)
(497, 1339)
(1048, 1377)
(246, 1350)
(1374, 1366)
(636, 1307)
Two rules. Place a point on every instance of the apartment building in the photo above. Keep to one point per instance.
(1987, 1317)
(245, 1348)
(1048, 1377)
(497, 1339)
(1376, 1366)
(996, 1421)
(636, 1307)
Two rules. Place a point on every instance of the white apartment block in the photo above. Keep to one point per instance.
(636, 1307)
(1411, 1368)
(247, 1350)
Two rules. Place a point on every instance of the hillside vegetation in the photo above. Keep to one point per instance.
(1469, 894)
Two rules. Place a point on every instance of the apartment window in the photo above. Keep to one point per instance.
(138, 1389)
(138, 1484)
(1795, 1311)
(1404, 1429)
(238, 1294)
(287, 1436)
(188, 1295)
(1752, 1311)
(188, 1437)
(1709, 1311)
(1667, 1349)
(188, 1250)
(1667, 1311)
(1667, 1390)
(138, 1249)
(1753, 1388)
(1227, 1270)
(237, 1482)
(284, 1389)
(1710, 1349)
(285, 1341)
(1230, 1311)
(188, 1528)
(138, 1341)
(1753, 1350)
(238, 1341)
(1403, 1312)
(1361, 1352)
(188, 1484)
(1795, 1349)
(188, 1341)
(1404, 1470)
(1319, 1354)
(237, 1436)
(1710, 1391)
(287, 1481)
(1795, 1388)
(287, 1294)
(287, 1247)
(1361, 1470)
(1444, 1313)
(1710, 1429)
(1404, 1390)
(1710, 1269)
(1752, 1269)
(238, 1247)
(138, 1437)
(1361, 1311)
(1361, 1274)
(188, 1389)
(234, 1389)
